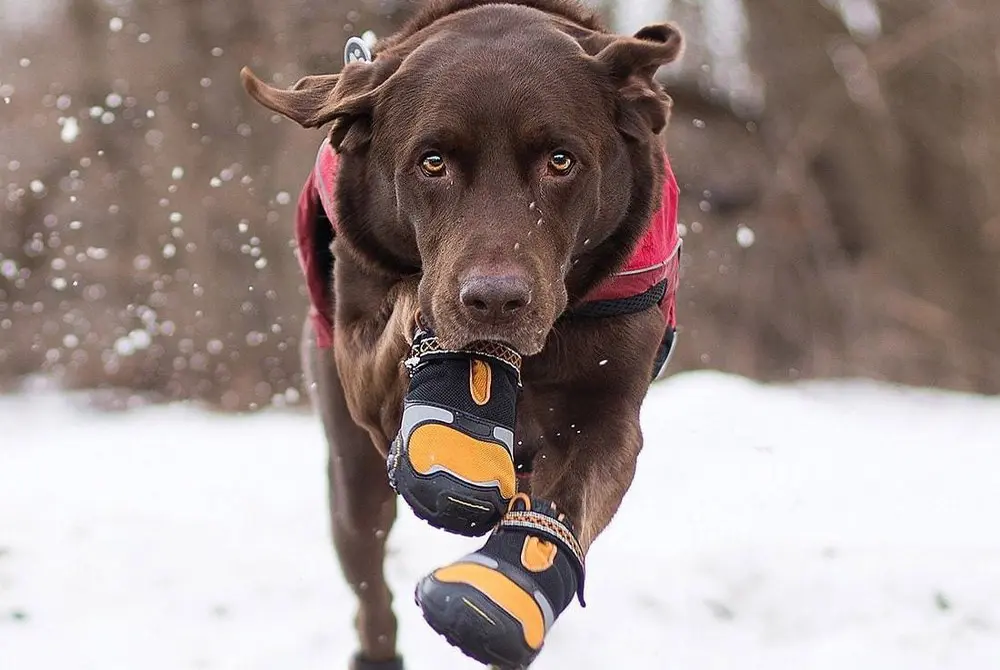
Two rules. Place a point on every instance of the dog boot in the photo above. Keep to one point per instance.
(498, 604)
(453, 459)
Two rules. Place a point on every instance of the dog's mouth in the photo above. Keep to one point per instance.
(526, 339)
(526, 344)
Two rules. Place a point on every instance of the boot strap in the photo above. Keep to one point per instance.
(427, 347)
(550, 529)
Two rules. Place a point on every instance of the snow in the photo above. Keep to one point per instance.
(745, 237)
(822, 526)
(70, 129)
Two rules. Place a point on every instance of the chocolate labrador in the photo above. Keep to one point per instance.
(489, 238)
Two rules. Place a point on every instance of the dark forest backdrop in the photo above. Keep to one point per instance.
(839, 163)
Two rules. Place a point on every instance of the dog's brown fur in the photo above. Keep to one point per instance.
(495, 87)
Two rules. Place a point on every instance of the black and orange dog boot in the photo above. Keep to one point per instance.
(498, 604)
(453, 459)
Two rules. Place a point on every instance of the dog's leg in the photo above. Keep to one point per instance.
(593, 436)
(586, 478)
(362, 510)
(499, 603)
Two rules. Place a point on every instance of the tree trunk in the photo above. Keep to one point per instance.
(872, 153)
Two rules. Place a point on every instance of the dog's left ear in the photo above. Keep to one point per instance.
(346, 99)
(632, 62)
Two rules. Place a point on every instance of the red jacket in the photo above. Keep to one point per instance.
(656, 257)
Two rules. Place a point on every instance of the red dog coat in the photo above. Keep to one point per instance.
(656, 257)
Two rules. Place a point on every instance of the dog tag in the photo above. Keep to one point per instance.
(356, 50)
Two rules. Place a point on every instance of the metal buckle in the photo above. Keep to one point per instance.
(356, 50)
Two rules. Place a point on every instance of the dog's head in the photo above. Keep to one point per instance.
(509, 154)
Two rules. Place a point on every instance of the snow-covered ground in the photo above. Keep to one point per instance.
(812, 527)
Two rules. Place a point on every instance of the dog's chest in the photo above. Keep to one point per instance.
(546, 420)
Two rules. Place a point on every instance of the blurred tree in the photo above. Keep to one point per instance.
(884, 167)
(840, 190)
(158, 255)
(846, 225)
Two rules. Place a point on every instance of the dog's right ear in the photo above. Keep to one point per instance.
(345, 99)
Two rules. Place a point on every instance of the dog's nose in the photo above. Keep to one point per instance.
(494, 298)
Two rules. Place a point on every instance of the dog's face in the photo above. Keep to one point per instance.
(501, 152)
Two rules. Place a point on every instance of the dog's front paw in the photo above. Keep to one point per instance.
(453, 459)
(498, 604)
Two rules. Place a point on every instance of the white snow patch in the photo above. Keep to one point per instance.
(820, 526)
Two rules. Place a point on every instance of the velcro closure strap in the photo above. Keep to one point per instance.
(426, 347)
(550, 529)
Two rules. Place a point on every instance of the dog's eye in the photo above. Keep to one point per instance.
(432, 164)
(561, 162)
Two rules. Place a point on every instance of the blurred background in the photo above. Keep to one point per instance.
(839, 163)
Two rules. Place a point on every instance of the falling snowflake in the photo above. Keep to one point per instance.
(140, 339)
(70, 129)
(745, 237)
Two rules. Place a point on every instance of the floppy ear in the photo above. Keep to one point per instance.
(346, 99)
(632, 62)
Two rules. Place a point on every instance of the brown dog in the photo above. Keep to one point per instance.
(497, 164)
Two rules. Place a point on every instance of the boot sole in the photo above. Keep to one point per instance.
(444, 501)
(474, 624)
